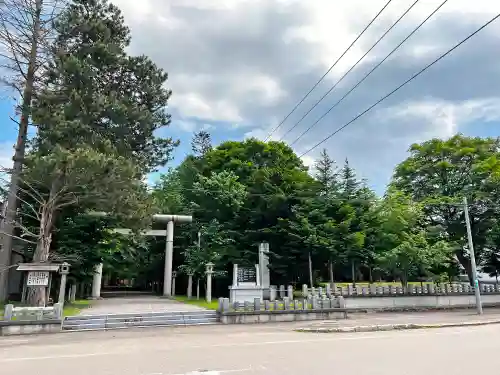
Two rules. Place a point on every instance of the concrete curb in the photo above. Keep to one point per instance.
(394, 327)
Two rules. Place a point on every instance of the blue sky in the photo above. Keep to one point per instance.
(237, 67)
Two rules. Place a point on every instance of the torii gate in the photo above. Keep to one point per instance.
(169, 249)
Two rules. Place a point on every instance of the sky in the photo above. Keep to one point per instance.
(238, 67)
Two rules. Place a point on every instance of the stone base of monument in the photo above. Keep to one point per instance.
(245, 293)
(246, 284)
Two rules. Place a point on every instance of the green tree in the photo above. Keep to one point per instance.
(168, 193)
(492, 256)
(349, 183)
(274, 180)
(201, 143)
(81, 177)
(220, 195)
(96, 113)
(326, 173)
(356, 202)
(25, 31)
(213, 243)
(439, 173)
(216, 202)
(94, 91)
(408, 253)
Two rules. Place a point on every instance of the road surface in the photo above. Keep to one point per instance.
(257, 350)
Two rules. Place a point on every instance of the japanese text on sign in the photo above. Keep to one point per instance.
(246, 275)
(38, 278)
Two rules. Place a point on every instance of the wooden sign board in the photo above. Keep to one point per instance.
(38, 278)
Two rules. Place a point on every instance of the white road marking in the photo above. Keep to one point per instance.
(303, 340)
(215, 372)
(204, 372)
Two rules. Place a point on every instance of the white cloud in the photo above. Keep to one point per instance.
(187, 126)
(6, 153)
(308, 161)
(248, 62)
(445, 116)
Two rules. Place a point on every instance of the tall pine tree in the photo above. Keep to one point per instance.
(97, 115)
(326, 173)
(201, 143)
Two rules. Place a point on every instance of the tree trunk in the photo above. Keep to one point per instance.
(330, 267)
(20, 150)
(370, 274)
(404, 281)
(36, 295)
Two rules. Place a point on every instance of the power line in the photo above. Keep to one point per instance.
(400, 86)
(371, 71)
(328, 71)
(351, 69)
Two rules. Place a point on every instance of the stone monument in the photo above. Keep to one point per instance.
(246, 284)
(265, 278)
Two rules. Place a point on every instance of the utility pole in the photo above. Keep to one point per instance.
(477, 292)
(198, 278)
(311, 281)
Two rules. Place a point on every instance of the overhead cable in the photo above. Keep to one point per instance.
(328, 71)
(351, 69)
(401, 86)
(371, 71)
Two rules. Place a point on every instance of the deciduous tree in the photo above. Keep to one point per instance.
(439, 173)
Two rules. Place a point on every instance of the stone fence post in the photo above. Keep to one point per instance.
(305, 290)
(58, 311)
(9, 310)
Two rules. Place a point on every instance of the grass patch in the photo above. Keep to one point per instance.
(198, 302)
(74, 308)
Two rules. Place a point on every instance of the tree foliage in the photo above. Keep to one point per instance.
(98, 111)
(439, 173)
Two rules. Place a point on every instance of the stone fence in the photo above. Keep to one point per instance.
(31, 320)
(32, 313)
(285, 310)
(396, 291)
(424, 297)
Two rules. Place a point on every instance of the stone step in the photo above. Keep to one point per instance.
(120, 321)
(207, 313)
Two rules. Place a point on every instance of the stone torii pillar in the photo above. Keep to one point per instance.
(169, 248)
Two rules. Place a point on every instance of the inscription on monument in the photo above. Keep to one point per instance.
(247, 275)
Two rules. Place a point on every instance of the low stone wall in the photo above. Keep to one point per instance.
(250, 317)
(421, 302)
(31, 320)
(286, 310)
(397, 291)
(29, 327)
(390, 298)
(33, 313)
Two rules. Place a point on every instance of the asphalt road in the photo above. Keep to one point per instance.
(254, 350)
